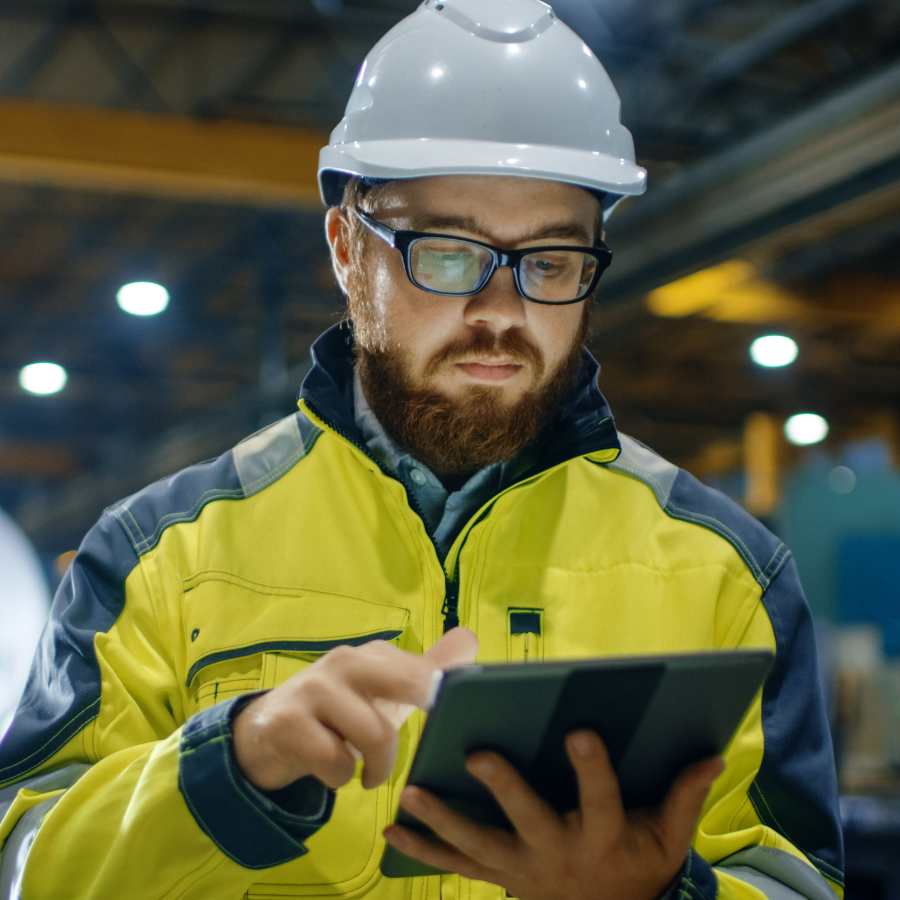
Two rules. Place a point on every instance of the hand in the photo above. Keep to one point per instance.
(345, 706)
(598, 851)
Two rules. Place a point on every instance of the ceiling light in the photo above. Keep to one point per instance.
(841, 479)
(773, 350)
(43, 378)
(143, 298)
(805, 428)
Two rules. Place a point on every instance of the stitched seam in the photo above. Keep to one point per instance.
(658, 488)
(188, 515)
(53, 737)
(267, 647)
(277, 472)
(275, 590)
(777, 551)
(697, 518)
(811, 856)
(116, 511)
(182, 892)
(223, 741)
(787, 555)
(221, 494)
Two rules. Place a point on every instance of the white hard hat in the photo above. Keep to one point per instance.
(483, 87)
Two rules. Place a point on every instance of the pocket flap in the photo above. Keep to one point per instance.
(226, 616)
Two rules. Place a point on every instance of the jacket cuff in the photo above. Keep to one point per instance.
(696, 880)
(254, 829)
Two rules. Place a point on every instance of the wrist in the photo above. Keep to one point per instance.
(252, 747)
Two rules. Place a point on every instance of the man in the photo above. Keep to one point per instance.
(231, 641)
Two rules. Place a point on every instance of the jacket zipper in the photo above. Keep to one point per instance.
(450, 609)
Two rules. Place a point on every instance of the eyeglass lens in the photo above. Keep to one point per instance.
(458, 267)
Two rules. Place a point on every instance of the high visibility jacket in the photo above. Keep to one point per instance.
(235, 574)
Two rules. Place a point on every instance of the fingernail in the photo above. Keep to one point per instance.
(483, 766)
(413, 801)
(582, 744)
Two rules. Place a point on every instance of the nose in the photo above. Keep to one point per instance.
(498, 305)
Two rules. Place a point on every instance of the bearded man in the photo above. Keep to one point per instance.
(230, 642)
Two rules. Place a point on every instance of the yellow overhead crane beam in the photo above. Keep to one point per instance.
(134, 153)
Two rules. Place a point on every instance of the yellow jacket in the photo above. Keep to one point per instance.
(232, 575)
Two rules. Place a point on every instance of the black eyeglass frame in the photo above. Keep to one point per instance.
(403, 241)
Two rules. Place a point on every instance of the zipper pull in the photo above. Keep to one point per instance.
(450, 609)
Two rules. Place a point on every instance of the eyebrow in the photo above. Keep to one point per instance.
(560, 230)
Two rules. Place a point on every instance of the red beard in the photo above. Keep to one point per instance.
(458, 436)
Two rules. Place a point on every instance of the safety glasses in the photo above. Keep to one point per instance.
(458, 267)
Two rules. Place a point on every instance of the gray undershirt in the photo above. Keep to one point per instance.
(445, 512)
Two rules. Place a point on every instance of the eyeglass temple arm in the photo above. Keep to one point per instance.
(376, 227)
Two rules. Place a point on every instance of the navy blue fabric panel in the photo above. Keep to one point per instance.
(63, 690)
(697, 881)
(795, 791)
(328, 387)
(692, 501)
(584, 424)
(246, 825)
(178, 498)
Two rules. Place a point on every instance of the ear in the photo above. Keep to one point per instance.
(337, 233)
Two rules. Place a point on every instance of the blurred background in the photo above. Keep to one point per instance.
(163, 273)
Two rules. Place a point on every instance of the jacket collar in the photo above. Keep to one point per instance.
(584, 425)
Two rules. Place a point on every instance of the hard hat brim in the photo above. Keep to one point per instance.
(424, 157)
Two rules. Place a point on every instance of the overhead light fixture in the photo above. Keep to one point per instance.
(773, 350)
(43, 378)
(842, 479)
(805, 428)
(143, 298)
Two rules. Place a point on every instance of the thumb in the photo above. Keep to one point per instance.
(680, 811)
(458, 647)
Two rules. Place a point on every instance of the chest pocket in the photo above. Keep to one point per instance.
(243, 636)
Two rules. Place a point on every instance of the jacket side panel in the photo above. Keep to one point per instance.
(136, 823)
(62, 695)
(795, 791)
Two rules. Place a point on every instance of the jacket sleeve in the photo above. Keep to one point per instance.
(771, 825)
(106, 791)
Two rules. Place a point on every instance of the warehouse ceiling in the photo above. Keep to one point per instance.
(175, 142)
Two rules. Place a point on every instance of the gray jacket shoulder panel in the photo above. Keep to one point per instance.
(682, 496)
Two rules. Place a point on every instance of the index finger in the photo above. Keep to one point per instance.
(381, 670)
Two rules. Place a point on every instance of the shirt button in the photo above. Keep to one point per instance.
(417, 476)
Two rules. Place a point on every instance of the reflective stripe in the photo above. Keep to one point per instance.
(779, 864)
(772, 889)
(265, 456)
(42, 784)
(640, 461)
(15, 850)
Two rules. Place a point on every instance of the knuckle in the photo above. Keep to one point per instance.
(340, 655)
(333, 767)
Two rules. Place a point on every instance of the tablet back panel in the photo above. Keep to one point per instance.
(655, 715)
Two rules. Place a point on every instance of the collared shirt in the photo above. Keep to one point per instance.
(445, 512)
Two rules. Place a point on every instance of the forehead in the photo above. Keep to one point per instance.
(504, 206)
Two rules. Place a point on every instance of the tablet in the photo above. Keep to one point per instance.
(655, 714)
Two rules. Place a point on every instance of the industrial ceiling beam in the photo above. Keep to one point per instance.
(836, 153)
(132, 153)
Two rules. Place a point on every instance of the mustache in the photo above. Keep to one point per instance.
(511, 343)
